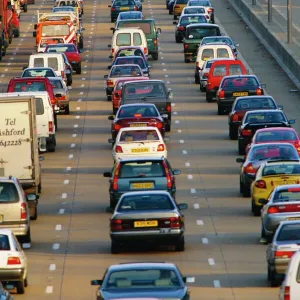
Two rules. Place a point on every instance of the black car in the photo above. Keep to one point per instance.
(243, 104)
(257, 119)
(184, 21)
(259, 154)
(235, 86)
(147, 280)
(149, 91)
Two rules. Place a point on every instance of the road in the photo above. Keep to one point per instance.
(70, 240)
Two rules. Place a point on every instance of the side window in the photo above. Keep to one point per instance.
(123, 39)
(137, 39)
(222, 53)
(38, 62)
(219, 70)
(207, 54)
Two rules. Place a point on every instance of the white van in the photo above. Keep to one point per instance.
(128, 37)
(211, 51)
(44, 119)
(290, 288)
(49, 60)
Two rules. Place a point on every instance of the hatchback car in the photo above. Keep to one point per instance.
(191, 10)
(140, 174)
(119, 6)
(205, 3)
(61, 94)
(147, 217)
(161, 280)
(38, 72)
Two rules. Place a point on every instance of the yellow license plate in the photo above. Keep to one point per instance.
(124, 8)
(139, 150)
(145, 223)
(239, 94)
(292, 219)
(138, 125)
(144, 185)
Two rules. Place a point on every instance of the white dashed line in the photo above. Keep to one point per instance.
(187, 164)
(64, 195)
(67, 181)
(79, 100)
(49, 289)
(78, 108)
(68, 168)
(75, 125)
(2, 75)
(177, 122)
(58, 227)
(73, 145)
(190, 176)
(161, 58)
(204, 241)
(196, 205)
(179, 130)
(82, 85)
(77, 117)
(55, 246)
(184, 152)
(193, 191)
(217, 284)
(200, 222)
(175, 112)
(74, 135)
(211, 262)
(61, 211)
(190, 279)
(52, 267)
(181, 141)
(81, 93)
(83, 78)
(164, 70)
(71, 156)
(166, 75)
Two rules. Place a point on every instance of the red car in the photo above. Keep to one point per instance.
(276, 135)
(117, 92)
(137, 115)
(71, 52)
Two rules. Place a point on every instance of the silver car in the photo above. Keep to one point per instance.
(61, 94)
(285, 243)
(283, 204)
(147, 217)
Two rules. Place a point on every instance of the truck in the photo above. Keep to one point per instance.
(19, 152)
(6, 28)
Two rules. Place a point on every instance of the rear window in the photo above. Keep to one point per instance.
(265, 117)
(38, 73)
(29, 86)
(55, 30)
(290, 232)
(207, 54)
(282, 169)
(8, 192)
(235, 70)
(130, 16)
(61, 49)
(274, 136)
(146, 27)
(255, 103)
(53, 63)
(123, 3)
(138, 135)
(130, 52)
(244, 82)
(4, 243)
(222, 53)
(56, 84)
(194, 10)
(131, 61)
(201, 32)
(125, 71)
(219, 70)
(137, 111)
(141, 169)
(141, 90)
(137, 39)
(145, 202)
(39, 106)
(123, 39)
(38, 62)
(68, 3)
(287, 195)
(186, 20)
(220, 39)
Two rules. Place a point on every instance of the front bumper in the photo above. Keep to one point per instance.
(7, 275)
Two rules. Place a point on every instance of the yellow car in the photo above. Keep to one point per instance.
(270, 175)
(179, 5)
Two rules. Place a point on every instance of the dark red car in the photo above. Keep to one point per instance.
(71, 52)
(137, 115)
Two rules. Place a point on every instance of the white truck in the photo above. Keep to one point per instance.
(19, 153)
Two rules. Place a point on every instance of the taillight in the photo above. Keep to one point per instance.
(273, 210)
(119, 224)
(260, 184)
(286, 294)
(209, 10)
(109, 83)
(168, 175)
(284, 254)
(51, 127)
(145, 50)
(155, 42)
(173, 222)
(62, 74)
(117, 127)
(115, 179)
(221, 94)
(246, 132)
(185, 46)
(112, 50)
(249, 169)
(235, 117)
(169, 108)
(176, 6)
(161, 147)
(258, 91)
(159, 125)
(135, 8)
(180, 28)
(113, 9)
(13, 260)
(61, 98)
(23, 211)
(119, 149)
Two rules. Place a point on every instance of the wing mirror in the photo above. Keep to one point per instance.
(263, 85)
(32, 197)
(110, 56)
(109, 67)
(109, 6)
(165, 116)
(176, 172)
(111, 141)
(236, 45)
(107, 174)
(240, 160)
(111, 118)
(280, 107)
(182, 206)
(96, 282)
(109, 46)
(292, 122)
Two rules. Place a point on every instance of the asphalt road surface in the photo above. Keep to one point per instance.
(70, 239)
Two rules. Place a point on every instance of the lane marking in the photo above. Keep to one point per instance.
(74, 135)
(187, 164)
(190, 176)
(184, 152)
(58, 227)
(73, 145)
(67, 181)
(75, 125)
(190, 279)
(204, 241)
(166, 75)
(79, 100)
(193, 191)
(164, 70)
(68, 168)
(56, 246)
(77, 117)
(83, 78)
(175, 112)
(81, 93)
(217, 284)
(196, 205)
(82, 85)
(78, 108)
(173, 104)
(161, 58)
(211, 262)
(71, 156)
(177, 121)
(64, 195)
(200, 222)
(52, 267)
(181, 141)
(179, 130)
(61, 211)
(49, 289)
(168, 82)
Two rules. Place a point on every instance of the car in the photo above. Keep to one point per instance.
(191, 10)
(257, 155)
(138, 141)
(282, 205)
(119, 6)
(235, 86)
(130, 51)
(178, 7)
(221, 39)
(137, 115)
(70, 51)
(120, 71)
(45, 41)
(61, 94)
(38, 72)
(13, 262)
(146, 174)
(170, 6)
(257, 119)
(269, 175)
(147, 217)
(279, 253)
(275, 135)
(290, 287)
(130, 15)
(133, 60)
(117, 92)
(243, 104)
(184, 21)
(205, 3)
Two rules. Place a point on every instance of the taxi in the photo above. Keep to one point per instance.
(179, 5)
(270, 175)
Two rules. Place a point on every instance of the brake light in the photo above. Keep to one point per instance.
(112, 50)
(258, 91)
(260, 184)
(273, 210)
(13, 260)
(61, 98)
(109, 83)
(119, 149)
(62, 74)
(235, 117)
(155, 42)
(159, 125)
(249, 169)
(137, 115)
(169, 179)
(246, 132)
(186, 46)
(284, 254)
(145, 50)
(221, 94)
(50, 125)
(175, 222)
(117, 127)
(210, 10)
(135, 8)
(23, 211)
(119, 224)
(115, 179)
(176, 6)
(169, 108)
(161, 147)
(180, 28)
(113, 9)
(287, 293)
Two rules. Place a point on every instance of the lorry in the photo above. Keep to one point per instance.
(6, 35)
(19, 152)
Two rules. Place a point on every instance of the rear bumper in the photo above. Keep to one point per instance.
(18, 229)
(281, 265)
(11, 274)
(117, 156)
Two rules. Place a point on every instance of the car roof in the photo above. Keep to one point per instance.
(129, 79)
(193, 15)
(282, 223)
(129, 47)
(127, 29)
(141, 265)
(126, 65)
(8, 179)
(239, 76)
(275, 129)
(130, 56)
(6, 232)
(30, 79)
(263, 111)
(39, 68)
(60, 45)
(45, 54)
(286, 186)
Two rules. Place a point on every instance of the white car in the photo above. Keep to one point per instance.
(142, 141)
(196, 10)
(13, 262)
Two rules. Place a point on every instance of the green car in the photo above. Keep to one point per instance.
(140, 174)
(150, 31)
(119, 6)
(194, 34)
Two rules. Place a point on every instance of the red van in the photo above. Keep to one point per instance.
(34, 84)
(217, 71)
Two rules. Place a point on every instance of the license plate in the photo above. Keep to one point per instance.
(124, 8)
(143, 185)
(292, 219)
(138, 125)
(139, 150)
(145, 223)
(239, 94)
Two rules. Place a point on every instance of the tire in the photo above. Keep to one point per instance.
(186, 60)
(241, 148)
(115, 110)
(25, 238)
(202, 88)
(180, 245)
(55, 121)
(168, 127)
(177, 39)
(265, 236)
(209, 98)
(273, 277)
(233, 132)
(170, 12)
(155, 55)
(112, 203)
(35, 216)
(197, 80)
(220, 110)
(174, 17)
(20, 287)
(255, 209)
(67, 110)
(16, 33)
(246, 192)
(51, 145)
(39, 188)
(109, 98)
(26, 282)
(112, 20)
(78, 70)
(25, 8)
(114, 248)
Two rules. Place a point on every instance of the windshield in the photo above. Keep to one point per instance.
(275, 135)
(287, 195)
(61, 48)
(141, 90)
(55, 30)
(276, 169)
(8, 192)
(265, 117)
(145, 202)
(125, 71)
(254, 103)
(243, 82)
(29, 86)
(141, 169)
(137, 112)
(290, 232)
(138, 135)
(131, 61)
(38, 73)
(201, 32)
(186, 20)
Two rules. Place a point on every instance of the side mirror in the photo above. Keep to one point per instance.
(182, 206)
(236, 45)
(176, 172)
(292, 122)
(111, 141)
(96, 282)
(35, 27)
(108, 5)
(112, 28)
(263, 85)
(240, 160)
(32, 197)
(107, 174)
(158, 31)
(149, 67)
(188, 279)
(280, 107)
(34, 34)
(175, 23)
(105, 76)
(165, 116)
(109, 46)
(111, 118)
(109, 67)
(263, 201)
(110, 56)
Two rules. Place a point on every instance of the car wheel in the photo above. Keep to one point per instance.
(35, 216)
(273, 277)
(67, 110)
(26, 238)
(174, 17)
(168, 127)
(209, 98)
(16, 33)
(241, 187)
(180, 245)
(25, 8)
(39, 188)
(20, 287)
(170, 12)
(26, 282)
(114, 248)
(155, 55)
(197, 80)
(202, 88)
(220, 110)
(112, 20)
(246, 192)
(233, 132)
(108, 97)
(255, 209)
(51, 145)
(78, 70)
(186, 60)
(241, 148)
